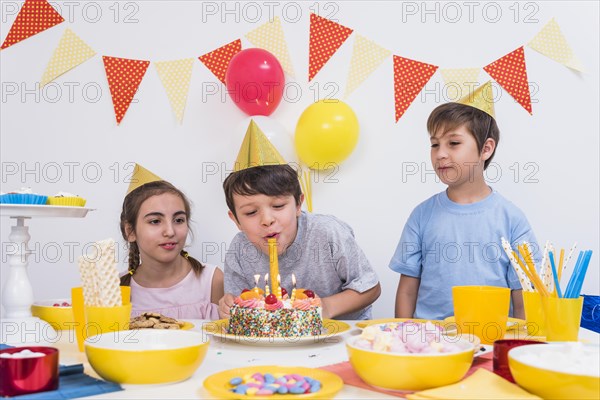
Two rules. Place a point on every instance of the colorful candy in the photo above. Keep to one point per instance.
(272, 383)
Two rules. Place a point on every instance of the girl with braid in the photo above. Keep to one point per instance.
(163, 277)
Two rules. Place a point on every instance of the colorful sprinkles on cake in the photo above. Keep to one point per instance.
(273, 383)
(285, 322)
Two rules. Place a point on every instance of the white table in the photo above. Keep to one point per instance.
(223, 355)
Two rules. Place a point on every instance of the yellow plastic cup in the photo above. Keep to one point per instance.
(96, 320)
(534, 314)
(481, 311)
(562, 317)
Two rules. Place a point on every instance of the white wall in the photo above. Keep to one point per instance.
(548, 162)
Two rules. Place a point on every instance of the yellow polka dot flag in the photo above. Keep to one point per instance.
(326, 37)
(510, 72)
(124, 77)
(175, 77)
(459, 81)
(218, 60)
(270, 37)
(35, 16)
(409, 78)
(366, 57)
(70, 52)
(551, 43)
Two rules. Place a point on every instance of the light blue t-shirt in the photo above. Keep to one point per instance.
(448, 244)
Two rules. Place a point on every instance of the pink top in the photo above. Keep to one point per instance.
(189, 298)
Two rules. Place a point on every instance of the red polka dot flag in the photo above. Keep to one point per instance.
(124, 77)
(35, 16)
(510, 72)
(325, 38)
(409, 78)
(218, 60)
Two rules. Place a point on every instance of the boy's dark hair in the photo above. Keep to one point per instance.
(481, 125)
(270, 180)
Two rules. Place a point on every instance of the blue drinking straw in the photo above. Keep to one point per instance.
(581, 276)
(569, 290)
(555, 274)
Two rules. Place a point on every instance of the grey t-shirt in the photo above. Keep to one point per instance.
(324, 258)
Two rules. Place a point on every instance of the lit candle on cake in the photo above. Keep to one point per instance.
(273, 265)
(293, 297)
(256, 278)
(278, 287)
(266, 285)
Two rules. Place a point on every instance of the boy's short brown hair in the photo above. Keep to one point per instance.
(270, 180)
(481, 125)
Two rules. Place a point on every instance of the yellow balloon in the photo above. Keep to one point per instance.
(326, 134)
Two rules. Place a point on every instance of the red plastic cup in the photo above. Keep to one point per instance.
(29, 375)
(501, 348)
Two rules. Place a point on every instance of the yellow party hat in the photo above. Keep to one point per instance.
(256, 150)
(140, 177)
(482, 98)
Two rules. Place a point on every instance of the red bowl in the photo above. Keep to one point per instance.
(29, 375)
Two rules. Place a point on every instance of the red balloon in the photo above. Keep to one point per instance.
(255, 81)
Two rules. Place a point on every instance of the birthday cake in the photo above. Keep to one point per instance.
(269, 316)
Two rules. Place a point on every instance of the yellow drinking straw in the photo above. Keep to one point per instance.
(530, 269)
(560, 263)
(273, 264)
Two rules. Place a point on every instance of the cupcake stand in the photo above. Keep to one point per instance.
(19, 327)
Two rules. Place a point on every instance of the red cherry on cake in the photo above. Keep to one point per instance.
(309, 293)
(55, 305)
(271, 299)
(283, 292)
(245, 290)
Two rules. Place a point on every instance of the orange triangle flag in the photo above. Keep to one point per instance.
(124, 77)
(325, 38)
(409, 78)
(217, 60)
(35, 16)
(511, 73)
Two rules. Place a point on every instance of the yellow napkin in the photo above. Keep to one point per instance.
(483, 384)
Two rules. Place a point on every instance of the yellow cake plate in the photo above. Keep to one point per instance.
(331, 329)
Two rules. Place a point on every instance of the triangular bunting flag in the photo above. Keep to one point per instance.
(459, 82)
(325, 38)
(175, 77)
(218, 60)
(510, 72)
(270, 37)
(409, 78)
(551, 43)
(366, 57)
(124, 77)
(35, 16)
(70, 52)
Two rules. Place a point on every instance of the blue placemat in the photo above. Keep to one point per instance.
(72, 383)
(590, 315)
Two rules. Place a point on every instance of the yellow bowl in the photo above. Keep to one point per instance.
(61, 318)
(544, 370)
(146, 356)
(401, 371)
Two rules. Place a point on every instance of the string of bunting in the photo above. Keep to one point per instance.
(325, 38)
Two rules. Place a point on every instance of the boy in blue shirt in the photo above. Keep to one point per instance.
(453, 238)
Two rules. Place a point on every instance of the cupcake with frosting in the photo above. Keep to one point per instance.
(23, 196)
(66, 199)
